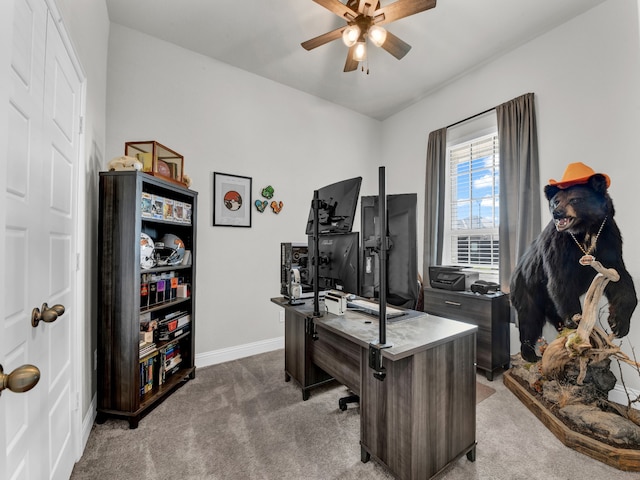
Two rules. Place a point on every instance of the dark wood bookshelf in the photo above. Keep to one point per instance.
(120, 368)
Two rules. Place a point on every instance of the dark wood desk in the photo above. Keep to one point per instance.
(422, 416)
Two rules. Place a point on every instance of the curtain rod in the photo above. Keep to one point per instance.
(470, 118)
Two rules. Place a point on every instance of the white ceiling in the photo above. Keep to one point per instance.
(264, 36)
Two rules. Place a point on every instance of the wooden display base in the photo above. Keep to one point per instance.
(620, 458)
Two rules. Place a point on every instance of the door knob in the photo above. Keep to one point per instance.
(22, 379)
(47, 315)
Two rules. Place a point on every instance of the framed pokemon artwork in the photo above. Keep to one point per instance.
(231, 200)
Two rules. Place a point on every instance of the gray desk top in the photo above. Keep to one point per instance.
(407, 335)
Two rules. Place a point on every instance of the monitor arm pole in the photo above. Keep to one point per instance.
(375, 348)
(316, 254)
(382, 215)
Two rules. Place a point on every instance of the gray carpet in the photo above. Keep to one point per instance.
(241, 421)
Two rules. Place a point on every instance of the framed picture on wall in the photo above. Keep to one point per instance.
(231, 200)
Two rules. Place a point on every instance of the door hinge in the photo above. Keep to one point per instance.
(77, 262)
(81, 126)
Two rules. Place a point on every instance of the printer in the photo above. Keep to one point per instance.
(451, 277)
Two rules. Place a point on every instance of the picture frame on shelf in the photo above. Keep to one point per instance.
(231, 200)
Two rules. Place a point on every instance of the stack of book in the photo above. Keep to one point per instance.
(173, 325)
(170, 360)
(147, 372)
(147, 348)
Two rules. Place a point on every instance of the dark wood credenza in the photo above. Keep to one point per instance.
(422, 416)
(490, 312)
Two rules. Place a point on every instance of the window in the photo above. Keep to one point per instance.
(472, 217)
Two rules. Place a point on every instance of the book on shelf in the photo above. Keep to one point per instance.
(147, 348)
(170, 360)
(168, 209)
(148, 367)
(178, 211)
(146, 205)
(160, 288)
(186, 213)
(153, 293)
(173, 284)
(157, 207)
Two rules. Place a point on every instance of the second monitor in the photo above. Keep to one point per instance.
(338, 262)
(402, 254)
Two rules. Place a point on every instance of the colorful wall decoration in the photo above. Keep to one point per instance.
(261, 205)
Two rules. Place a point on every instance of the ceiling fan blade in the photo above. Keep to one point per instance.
(350, 65)
(338, 8)
(396, 47)
(400, 9)
(322, 39)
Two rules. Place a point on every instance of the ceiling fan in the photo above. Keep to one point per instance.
(364, 20)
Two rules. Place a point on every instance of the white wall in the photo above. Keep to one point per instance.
(586, 76)
(225, 120)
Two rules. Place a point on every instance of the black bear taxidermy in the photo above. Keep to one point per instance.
(550, 277)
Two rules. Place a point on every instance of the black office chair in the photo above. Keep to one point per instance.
(342, 402)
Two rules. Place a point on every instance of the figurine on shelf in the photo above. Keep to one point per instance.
(187, 180)
(125, 163)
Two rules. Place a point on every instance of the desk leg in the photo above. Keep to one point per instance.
(471, 454)
(364, 455)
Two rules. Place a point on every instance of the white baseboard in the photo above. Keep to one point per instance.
(87, 424)
(618, 395)
(233, 353)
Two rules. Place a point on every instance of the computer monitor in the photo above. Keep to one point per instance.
(402, 256)
(338, 256)
(337, 207)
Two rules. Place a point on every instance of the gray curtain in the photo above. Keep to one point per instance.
(520, 217)
(434, 200)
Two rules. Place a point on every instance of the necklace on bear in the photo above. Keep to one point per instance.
(587, 258)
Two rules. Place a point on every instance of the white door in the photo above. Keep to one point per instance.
(40, 248)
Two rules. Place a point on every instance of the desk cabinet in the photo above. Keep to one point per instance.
(489, 312)
(423, 415)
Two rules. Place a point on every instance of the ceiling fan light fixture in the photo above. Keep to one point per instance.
(360, 51)
(377, 35)
(350, 35)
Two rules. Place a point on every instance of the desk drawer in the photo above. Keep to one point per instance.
(464, 307)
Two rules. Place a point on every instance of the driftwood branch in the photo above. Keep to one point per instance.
(587, 343)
